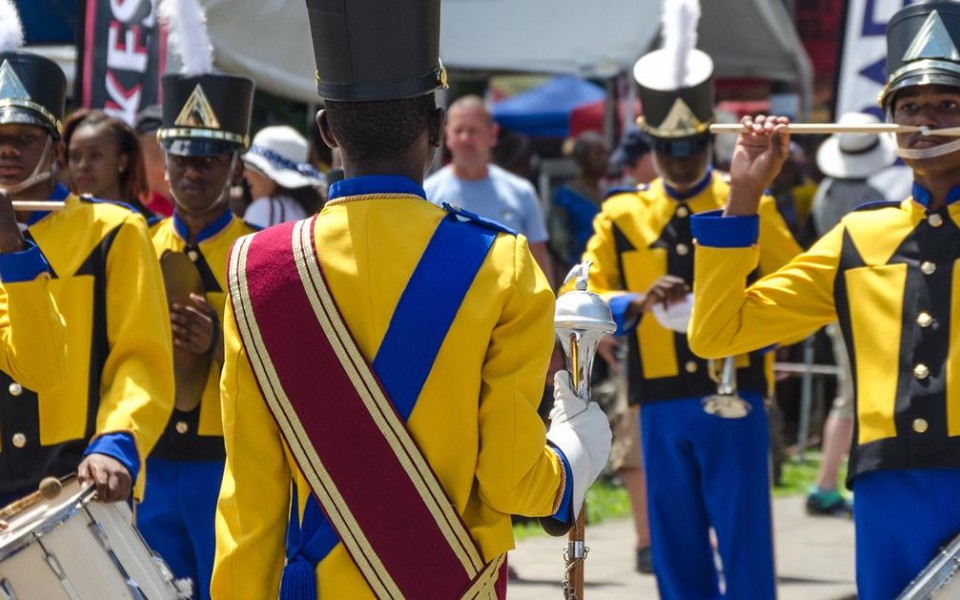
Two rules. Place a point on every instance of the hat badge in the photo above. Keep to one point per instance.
(197, 112)
(11, 88)
(932, 41)
(681, 118)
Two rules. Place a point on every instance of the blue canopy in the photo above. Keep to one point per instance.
(48, 21)
(545, 110)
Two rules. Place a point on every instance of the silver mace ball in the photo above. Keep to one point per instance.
(581, 320)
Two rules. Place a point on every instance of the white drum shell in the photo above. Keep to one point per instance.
(71, 548)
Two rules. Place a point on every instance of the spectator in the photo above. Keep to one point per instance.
(104, 159)
(158, 193)
(794, 191)
(283, 185)
(570, 219)
(478, 186)
(632, 156)
(847, 159)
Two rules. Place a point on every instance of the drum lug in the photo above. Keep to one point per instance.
(101, 535)
(6, 590)
(57, 569)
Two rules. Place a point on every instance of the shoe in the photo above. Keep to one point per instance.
(828, 503)
(645, 561)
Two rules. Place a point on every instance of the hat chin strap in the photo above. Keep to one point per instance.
(36, 177)
(935, 151)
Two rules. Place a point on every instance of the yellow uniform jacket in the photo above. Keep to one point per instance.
(34, 351)
(198, 434)
(889, 275)
(475, 419)
(639, 237)
(106, 283)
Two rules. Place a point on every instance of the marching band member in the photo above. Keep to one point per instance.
(384, 359)
(206, 121)
(887, 272)
(705, 467)
(118, 393)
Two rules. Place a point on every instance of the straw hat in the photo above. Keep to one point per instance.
(281, 153)
(856, 155)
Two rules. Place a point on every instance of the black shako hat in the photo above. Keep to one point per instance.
(922, 47)
(369, 50)
(205, 115)
(32, 91)
(676, 115)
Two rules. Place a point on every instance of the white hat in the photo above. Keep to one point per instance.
(856, 155)
(280, 153)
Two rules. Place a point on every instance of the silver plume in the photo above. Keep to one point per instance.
(187, 28)
(680, 20)
(11, 29)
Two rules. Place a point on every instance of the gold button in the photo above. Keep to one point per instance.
(924, 319)
(19, 440)
(691, 366)
(920, 425)
(682, 211)
(927, 267)
(683, 249)
(182, 427)
(15, 389)
(921, 371)
(935, 220)
(192, 254)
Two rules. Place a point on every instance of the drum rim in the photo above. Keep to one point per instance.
(72, 507)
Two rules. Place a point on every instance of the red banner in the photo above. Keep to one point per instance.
(122, 55)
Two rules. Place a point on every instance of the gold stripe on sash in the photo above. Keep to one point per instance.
(483, 587)
(337, 511)
(381, 410)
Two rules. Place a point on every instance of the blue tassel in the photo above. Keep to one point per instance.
(299, 580)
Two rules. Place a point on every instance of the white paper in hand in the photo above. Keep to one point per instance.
(677, 317)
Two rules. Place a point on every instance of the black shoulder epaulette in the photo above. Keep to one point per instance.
(469, 216)
(878, 204)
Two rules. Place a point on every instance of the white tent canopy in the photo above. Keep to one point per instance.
(269, 40)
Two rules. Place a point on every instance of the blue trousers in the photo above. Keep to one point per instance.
(902, 518)
(707, 471)
(177, 517)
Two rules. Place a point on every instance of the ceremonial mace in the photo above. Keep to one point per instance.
(581, 320)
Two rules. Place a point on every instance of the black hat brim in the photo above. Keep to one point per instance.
(198, 147)
(681, 147)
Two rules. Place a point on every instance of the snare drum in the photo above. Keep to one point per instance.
(72, 548)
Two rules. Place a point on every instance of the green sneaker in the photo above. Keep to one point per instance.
(828, 503)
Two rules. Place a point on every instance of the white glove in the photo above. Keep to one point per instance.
(677, 317)
(582, 433)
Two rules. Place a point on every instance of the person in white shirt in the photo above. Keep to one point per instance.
(476, 185)
(283, 185)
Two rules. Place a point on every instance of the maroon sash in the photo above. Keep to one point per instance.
(373, 483)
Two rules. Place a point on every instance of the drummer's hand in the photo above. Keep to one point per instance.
(3, 525)
(195, 326)
(757, 158)
(108, 475)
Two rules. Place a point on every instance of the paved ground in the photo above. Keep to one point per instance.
(814, 559)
